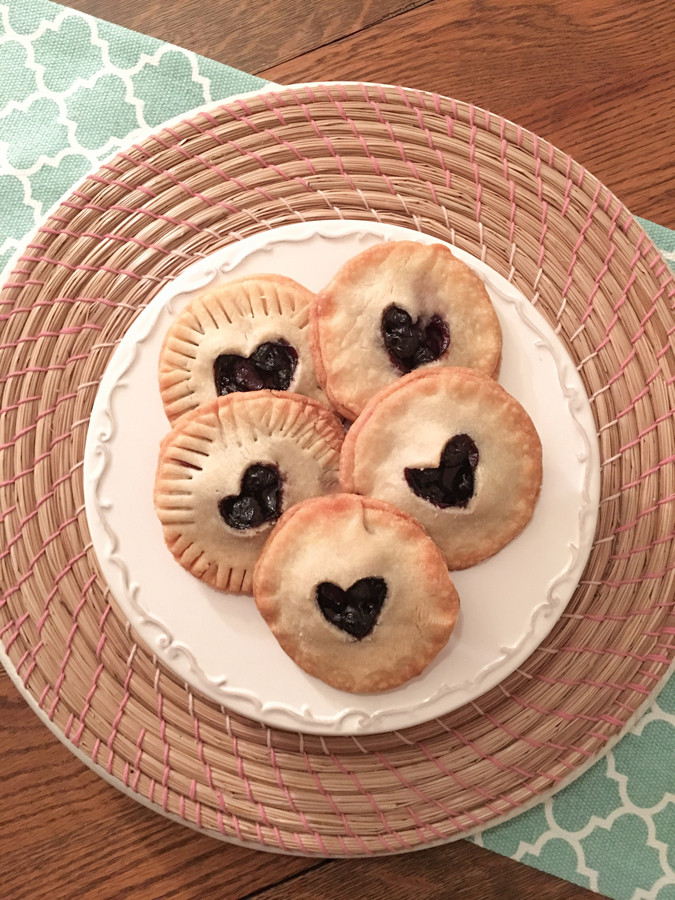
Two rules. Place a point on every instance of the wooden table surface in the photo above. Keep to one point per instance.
(596, 78)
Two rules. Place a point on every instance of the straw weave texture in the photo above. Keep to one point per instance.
(355, 152)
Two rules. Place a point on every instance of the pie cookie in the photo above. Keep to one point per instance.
(229, 469)
(355, 592)
(393, 308)
(250, 334)
(453, 449)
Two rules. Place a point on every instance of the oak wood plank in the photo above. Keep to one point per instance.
(244, 34)
(66, 833)
(461, 871)
(595, 77)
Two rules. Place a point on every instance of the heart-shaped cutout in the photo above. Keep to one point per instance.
(259, 500)
(452, 482)
(271, 366)
(412, 344)
(355, 610)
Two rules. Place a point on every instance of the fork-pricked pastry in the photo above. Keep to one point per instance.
(229, 469)
(247, 335)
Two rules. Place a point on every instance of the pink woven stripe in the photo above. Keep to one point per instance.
(486, 798)
(609, 617)
(369, 797)
(57, 581)
(41, 551)
(544, 216)
(331, 801)
(22, 284)
(19, 373)
(454, 817)
(413, 788)
(647, 576)
(22, 524)
(83, 267)
(72, 329)
(87, 704)
(31, 568)
(650, 312)
(118, 716)
(111, 236)
(476, 175)
(569, 717)
(646, 548)
(6, 513)
(198, 195)
(69, 642)
(600, 685)
(167, 746)
(664, 418)
(140, 211)
(37, 460)
(289, 798)
(248, 789)
(533, 743)
(5, 628)
(568, 186)
(439, 156)
(611, 651)
(36, 422)
(17, 630)
(19, 403)
(601, 274)
(575, 250)
(644, 475)
(643, 513)
(71, 300)
(177, 147)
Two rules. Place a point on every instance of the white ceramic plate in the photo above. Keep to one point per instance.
(218, 643)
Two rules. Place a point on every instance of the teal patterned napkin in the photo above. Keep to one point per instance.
(73, 89)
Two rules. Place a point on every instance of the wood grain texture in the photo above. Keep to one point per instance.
(459, 871)
(247, 35)
(66, 833)
(595, 77)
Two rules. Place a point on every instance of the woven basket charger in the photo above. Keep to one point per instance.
(380, 154)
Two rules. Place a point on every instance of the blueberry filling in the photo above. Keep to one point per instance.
(259, 500)
(452, 482)
(271, 366)
(355, 610)
(412, 344)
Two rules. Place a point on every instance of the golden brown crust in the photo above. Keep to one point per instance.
(204, 459)
(235, 317)
(350, 358)
(386, 438)
(343, 538)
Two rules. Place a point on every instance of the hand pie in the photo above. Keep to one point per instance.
(355, 592)
(229, 469)
(248, 335)
(453, 449)
(394, 308)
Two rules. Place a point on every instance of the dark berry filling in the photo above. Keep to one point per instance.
(271, 366)
(355, 610)
(412, 344)
(259, 500)
(452, 482)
